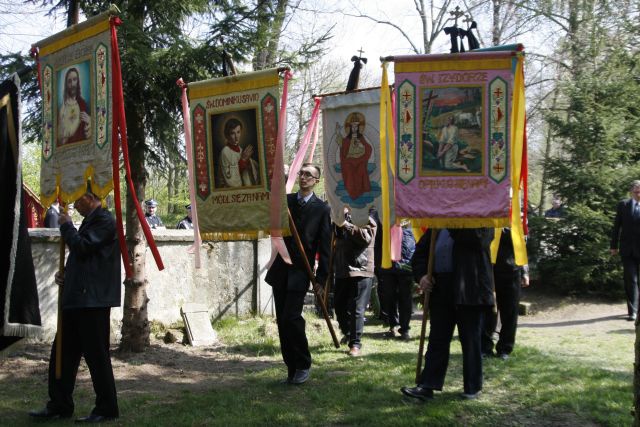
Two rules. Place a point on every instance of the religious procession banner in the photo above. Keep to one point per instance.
(235, 133)
(19, 307)
(75, 72)
(460, 127)
(459, 132)
(351, 150)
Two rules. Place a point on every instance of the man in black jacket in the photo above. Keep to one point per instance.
(462, 291)
(509, 279)
(290, 283)
(626, 236)
(91, 286)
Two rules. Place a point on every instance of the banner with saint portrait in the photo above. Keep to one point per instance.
(235, 132)
(460, 125)
(75, 76)
(351, 150)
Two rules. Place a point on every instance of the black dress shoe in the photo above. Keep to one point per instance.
(95, 418)
(48, 414)
(631, 318)
(417, 392)
(301, 376)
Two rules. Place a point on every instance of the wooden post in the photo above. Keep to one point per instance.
(312, 278)
(425, 303)
(327, 285)
(59, 320)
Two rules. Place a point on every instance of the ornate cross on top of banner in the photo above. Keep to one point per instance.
(354, 76)
(455, 14)
(454, 32)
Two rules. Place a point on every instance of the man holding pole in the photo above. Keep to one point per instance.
(91, 286)
(462, 289)
(312, 223)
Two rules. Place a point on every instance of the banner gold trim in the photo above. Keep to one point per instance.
(74, 34)
(454, 65)
(241, 82)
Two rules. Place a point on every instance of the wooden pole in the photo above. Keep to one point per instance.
(425, 303)
(327, 285)
(63, 211)
(312, 278)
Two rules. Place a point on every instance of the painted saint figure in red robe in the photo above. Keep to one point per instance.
(355, 152)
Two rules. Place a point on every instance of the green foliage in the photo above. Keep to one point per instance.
(600, 152)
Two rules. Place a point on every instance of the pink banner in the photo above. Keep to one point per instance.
(304, 145)
(453, 132)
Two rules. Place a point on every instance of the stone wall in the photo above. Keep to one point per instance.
(230, 281)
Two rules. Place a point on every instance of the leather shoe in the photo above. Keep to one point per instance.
(47, 414)
(631, 318)
(301, 376)
(354, 352)
(470, 396)
(418, 392)
(95, 418)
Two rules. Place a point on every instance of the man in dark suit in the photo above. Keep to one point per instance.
(91, 286)
(462, 291)
(290, 283)
(51, 217)
(625, 239)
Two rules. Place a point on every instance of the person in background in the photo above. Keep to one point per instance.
(397, 283)
(509, 280)
(186, 222)
(52, 215)
(153, 220)
(557, 209)
(625, 240)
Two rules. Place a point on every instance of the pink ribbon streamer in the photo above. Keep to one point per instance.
(315, 132)
(277, 241)
(197, 241)
(304, 144)
(396, 242)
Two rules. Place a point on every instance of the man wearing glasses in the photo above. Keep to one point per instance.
(290, 283)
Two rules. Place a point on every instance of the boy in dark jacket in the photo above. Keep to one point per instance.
(353, 266)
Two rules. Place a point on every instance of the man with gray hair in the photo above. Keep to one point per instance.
(625, 239)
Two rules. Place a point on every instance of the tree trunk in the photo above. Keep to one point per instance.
(547, 156)
(135, 321)
(171, 206)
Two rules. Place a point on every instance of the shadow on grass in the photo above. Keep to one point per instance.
(570, 322)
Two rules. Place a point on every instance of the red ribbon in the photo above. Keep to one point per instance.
(120, 129)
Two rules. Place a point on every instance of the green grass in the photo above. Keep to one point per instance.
(556, 376)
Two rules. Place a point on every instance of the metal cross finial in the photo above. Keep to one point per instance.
(360, 51)
(467, 19)
(455, 14)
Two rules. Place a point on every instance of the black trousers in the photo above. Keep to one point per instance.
(508, 288)
(351, 297)
(398, 290)
(291, 325)
(85, 333)
(630, 267)
(445, 316)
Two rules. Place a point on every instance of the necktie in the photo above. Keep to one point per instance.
(301, 202)
(636, 210)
